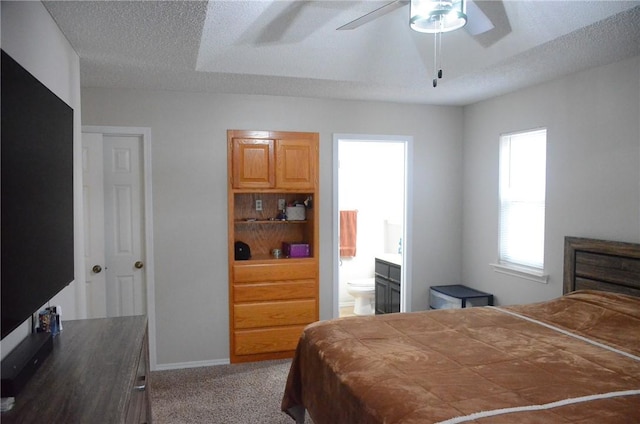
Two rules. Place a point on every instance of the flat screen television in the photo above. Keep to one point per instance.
(37, 194)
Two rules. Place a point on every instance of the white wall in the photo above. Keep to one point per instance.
(190, 195)
(593, 170)
(31, 37)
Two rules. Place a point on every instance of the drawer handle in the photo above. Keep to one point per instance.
(140, 388)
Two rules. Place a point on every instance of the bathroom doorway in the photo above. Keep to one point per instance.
(372, 188)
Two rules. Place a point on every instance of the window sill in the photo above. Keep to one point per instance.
(521, 272)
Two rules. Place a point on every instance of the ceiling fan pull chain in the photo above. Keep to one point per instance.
(437, 52)
(436, 55)
(439, 55)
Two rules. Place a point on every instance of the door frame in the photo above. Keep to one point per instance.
(145, 134)
(405, 292)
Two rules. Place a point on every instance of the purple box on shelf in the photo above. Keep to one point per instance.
(295, 250)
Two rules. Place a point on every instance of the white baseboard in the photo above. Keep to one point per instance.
(347, 304)
(194, 364)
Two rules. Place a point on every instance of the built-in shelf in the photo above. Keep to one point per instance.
(269, 258)
(268, 221)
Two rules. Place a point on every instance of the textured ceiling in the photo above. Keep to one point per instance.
(292, 48)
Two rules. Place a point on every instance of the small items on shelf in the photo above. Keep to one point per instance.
(49, 320)
(267, 221)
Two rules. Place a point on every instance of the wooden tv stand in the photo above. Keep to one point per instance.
(98, 372)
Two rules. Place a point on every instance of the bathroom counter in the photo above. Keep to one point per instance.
(394, 258)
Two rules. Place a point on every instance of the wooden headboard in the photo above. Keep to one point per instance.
(601, 265)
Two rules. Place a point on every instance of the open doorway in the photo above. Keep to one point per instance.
(371, 189)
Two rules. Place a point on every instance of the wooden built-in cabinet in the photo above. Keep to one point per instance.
(271, 299)
(268, 159)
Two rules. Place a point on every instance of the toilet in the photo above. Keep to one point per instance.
(363, 290)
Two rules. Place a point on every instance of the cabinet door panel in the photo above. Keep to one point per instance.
(381, 295)
(394, 297)
(269, 314)
(250, 342)
(277, 290)
(395, 273)
(253, 163)
(382, 269)
(295, 167)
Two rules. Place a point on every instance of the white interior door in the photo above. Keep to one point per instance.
(126, 293)
(93, 203)
(116, 273)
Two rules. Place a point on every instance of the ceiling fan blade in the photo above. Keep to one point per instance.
(495, 13)
(275, 29)
(389, 7)
(477, 22)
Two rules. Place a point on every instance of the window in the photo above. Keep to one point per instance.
(522, 200)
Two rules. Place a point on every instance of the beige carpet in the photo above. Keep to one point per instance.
(240, 393)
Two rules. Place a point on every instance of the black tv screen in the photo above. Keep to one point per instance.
(37, 194)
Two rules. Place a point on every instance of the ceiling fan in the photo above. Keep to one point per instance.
(487, 21)
(438, 16)
(478, 22)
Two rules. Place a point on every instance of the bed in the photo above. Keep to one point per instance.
(574, 359)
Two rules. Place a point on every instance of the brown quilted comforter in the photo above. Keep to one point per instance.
(575, 359)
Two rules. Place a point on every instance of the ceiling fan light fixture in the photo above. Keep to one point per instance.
(437, 16)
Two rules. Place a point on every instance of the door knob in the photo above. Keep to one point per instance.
(96, 269)
(138, 264)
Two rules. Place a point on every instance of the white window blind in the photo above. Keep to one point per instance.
(522, 198)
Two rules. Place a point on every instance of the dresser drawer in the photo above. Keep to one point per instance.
(268, 340)
(280, 290)
(285, 269)
(271, 314)
(138, 410)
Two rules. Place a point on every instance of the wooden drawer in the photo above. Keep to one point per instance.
(285, 270)
(279, 290)
(270, 314)
(269, 340)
